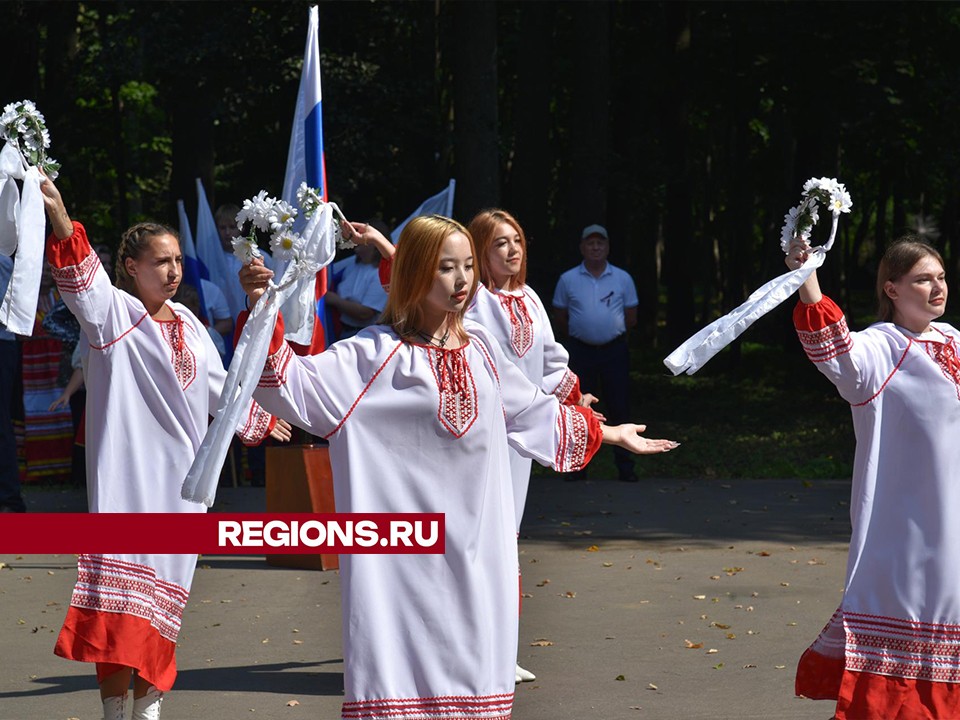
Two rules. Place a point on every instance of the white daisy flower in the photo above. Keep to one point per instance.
(286, 245)
(245, 249)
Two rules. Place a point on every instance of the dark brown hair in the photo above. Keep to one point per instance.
(897, 261)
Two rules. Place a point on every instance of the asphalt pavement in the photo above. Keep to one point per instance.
(666, 599)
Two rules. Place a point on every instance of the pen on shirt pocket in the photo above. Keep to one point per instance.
(606, 298)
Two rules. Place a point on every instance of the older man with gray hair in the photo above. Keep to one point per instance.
(595, 304)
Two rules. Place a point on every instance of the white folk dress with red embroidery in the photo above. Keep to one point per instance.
(414, 428)
(892, 650)
(151, 388)
(519, 322)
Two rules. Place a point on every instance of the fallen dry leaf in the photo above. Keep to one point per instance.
(541, 643)
(568, 594)
(541, 584)
(620, 677)
(712, 651)
(292, 703)
(593, 548)
(690, 645)
(699, 597)
(651, 686)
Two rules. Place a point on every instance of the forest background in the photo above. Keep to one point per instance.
(687, 128)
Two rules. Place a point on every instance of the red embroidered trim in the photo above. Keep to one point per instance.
(566, 386)
(828, 343)
(181, 356)
(363, 392)
(945, 355)
(275, 368)
(902, 648)
(111, 585)
(889, 377)
(77, 278)
(521, 324)
(457, 410)
(122, 336)
(449, 707)
(572, 449)
(257, 425)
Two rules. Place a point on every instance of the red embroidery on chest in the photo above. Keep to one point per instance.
(945, 355)
(181, 356)
(521, 325)
(458, 392)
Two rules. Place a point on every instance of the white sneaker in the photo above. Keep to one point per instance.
(148, 706)
(524, 675)
(113, 707)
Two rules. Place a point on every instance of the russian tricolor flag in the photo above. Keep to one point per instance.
(305, 160)
(193, 269)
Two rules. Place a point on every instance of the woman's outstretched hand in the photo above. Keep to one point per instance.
(629, 438)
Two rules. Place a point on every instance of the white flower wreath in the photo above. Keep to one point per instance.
(799, 220)
(23, 126)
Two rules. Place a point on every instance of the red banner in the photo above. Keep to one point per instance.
(221, 533)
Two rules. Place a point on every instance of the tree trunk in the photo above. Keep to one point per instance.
(590, 119)
(527, 187)
(678, 225)
(476, 150)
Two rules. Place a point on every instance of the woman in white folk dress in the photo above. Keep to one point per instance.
(153, 379)
(514, 314)
(892, 649)
(419, 412)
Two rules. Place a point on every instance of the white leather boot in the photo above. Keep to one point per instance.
(524, 675)
(148, 706)
(114, 708)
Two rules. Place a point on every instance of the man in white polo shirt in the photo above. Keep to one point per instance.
(595, 304)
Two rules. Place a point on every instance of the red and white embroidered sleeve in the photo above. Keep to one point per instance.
(568, 391)
(822, 330)
(278, 356)
(73, 260)
(580, 438)
(258, 425)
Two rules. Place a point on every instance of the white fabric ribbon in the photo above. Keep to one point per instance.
(250, 354)
(22, 223)
(698, 349)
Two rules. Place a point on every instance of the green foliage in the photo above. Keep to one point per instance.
(774, 416)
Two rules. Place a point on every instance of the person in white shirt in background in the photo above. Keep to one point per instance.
(358, 295)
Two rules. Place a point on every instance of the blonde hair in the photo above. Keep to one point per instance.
(414, 269)
(132, 244)
(484, 228)
(897, 261)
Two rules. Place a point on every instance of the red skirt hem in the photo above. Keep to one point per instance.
(868, 696)
(118, 640)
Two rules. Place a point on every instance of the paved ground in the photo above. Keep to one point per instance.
(663, 599)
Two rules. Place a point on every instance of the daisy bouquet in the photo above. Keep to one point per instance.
(276, 217)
